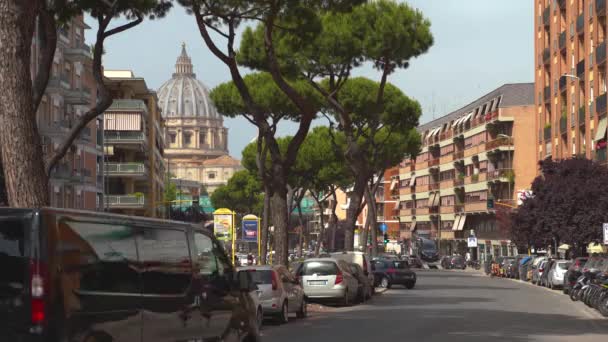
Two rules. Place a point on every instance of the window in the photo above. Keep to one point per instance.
(204, 257)
(102, 257)
(172, 137)
(422, 203)
(483, 166)
(12, 250)
(187, 138)
(424, 180)
(202, 138)
(448, 200)
(476, 196)
(445, 150)
(166, 257)
(447, 175)
(211, 175)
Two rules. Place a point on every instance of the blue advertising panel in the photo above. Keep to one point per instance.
(250, 230)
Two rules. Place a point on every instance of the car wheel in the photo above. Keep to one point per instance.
(303, 312)
(284, 316)
(410, 285)
(385, 283)
(259, 318)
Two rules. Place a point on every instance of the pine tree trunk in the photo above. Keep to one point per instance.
(364, 234)
(22, 158)
(352, 213)
(280, 215)
(373, 219)
(264, 228)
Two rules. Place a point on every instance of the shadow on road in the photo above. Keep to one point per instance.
(462, 287)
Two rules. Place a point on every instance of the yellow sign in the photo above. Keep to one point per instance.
(223, 224)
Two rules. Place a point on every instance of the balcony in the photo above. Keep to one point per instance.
(125, 169)
(580, 70)
(546, 56)
(124, 137)
(600, 53)
(581, 115)
(420, 211)
(459, 208)
(561, 4)
(458, 155)
(547, 133)
(600, 8)
(85, 134)
(563, 84)
(563, 125)
(476, 206)
(448, 209)
(546, 16)
(600, 104)
(80, 53)
(562, 41)
(547, 94)
(405, 191)
(422, 188)
(78, 96)
(125, 201)
(433, 162)
(458, 182)
(129, 104)
(502, 175)
(434, 186)
(60, 127)
(498, 142)
(580, 24)
(446, 184)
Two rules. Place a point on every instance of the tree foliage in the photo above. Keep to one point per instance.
(569, 204)
(242, 194)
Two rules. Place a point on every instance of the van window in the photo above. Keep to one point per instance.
(98, 257)
(12, 254)
(204, 254)
(322, 268)
(165, 258)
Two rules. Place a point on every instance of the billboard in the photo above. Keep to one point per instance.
(250, 230)
(222, 225)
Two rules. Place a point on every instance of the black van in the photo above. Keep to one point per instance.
(68, 275)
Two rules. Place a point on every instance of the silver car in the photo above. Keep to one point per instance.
(557, 272)
(328, 279)
(358, 258)
(279, 292)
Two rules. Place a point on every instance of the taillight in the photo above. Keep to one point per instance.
(391, 271)
(275, 281)
(339, 278)
(540, 270)
(38, 289)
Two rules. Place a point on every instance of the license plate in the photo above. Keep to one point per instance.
(317, 282)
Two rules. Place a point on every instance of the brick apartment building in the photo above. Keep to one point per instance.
(76, 181)
(485, 150)
(570, 78)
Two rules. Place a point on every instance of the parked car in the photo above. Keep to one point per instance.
(524, 265)
(328, 279)
(556, 274)
(393, 272)
(503, 265)
(458, 262)
(358, 258)
(445, 261)
(279, 291)
(573, 273)
(365, 287)
(514, 270)
(509, 266)
(414, 261)
(102, 277)
(544, 277)
(538, 272)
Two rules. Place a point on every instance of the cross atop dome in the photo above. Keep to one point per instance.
(183, 66)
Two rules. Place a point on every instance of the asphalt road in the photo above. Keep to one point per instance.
(451, 306)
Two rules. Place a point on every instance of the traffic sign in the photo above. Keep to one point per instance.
(605, 225)
(383, 227)
(472, 242)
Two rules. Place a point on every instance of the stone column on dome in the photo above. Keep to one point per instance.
(196, 138)
(212, 138)
(179, 138)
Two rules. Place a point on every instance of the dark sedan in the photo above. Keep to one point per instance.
(393, 272)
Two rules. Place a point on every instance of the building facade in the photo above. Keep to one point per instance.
(485, 150)
(570, 78)
(135, 172)
(195, 132)
(76, 181)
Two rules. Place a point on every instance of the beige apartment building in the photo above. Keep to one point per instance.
(135, 171)
(570, 78)
(485, 150)
(76, 181)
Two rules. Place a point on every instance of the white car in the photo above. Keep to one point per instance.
(358, 258)
(557, 272)
(279, 292)
(328, 279)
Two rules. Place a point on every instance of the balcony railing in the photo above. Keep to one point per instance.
(125, 201)
(547, 94)
(546, 16)
(600, 8)
(561, 4)
(78, 96)
(562, 40)
(476, 206)
(500, 173)
(458, 181)
(547, 133)
(563, 124)
(434, 186)
(502, 141)
(85, 134)
(124, 137)
(459, 208)
(580, 24)
(433, 162)
(129, 104)
(563, 82)
(124, 168)
(79, 52)
(458, 155)
(600, 53)
(600, 104)
(581, 115)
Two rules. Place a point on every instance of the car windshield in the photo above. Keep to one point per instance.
(261, 277)
(322, 268)
(400, 264)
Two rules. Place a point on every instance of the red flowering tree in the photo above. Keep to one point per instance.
(569, 205)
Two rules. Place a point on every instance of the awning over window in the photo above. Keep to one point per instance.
(466, 118)
(461, 222)
(393, 184)
(413, 180)
(456, 222)
(413, 226)
(457, 122)
(122, 121)
(432, 199)
(435, 200)
(601, 129)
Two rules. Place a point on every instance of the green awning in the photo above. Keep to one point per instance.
(601, 129)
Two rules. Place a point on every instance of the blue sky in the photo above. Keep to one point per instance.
(479, 45)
